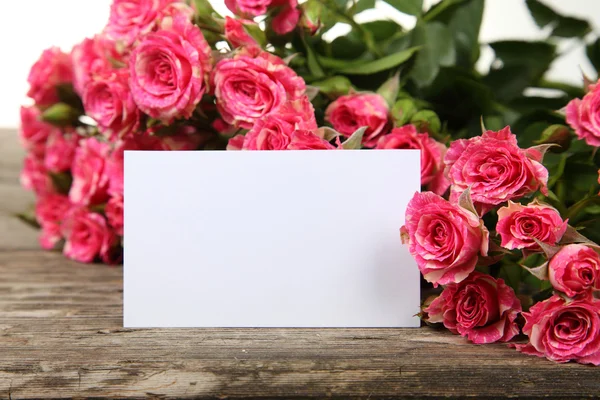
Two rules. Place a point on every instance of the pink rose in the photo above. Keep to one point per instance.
(432, 155)
(108, 100)
(88, 236)
(90, 179)
(495, 168)
(288, 16)
(60, 151)
(307, 140)
(236, 142)
(130, 20)
(248, 8)
(114, 213)
(584, 116)
(353, 111)
(253, 84)
(187, 138)
(34, 176)
(574, 270)
(564, 330)
(50, 212)
(168, 70)
(520, 225)
(274, 131)
(444, 238)
(34, 132)
(236, 34)
(223, 127)
(88, 61)
(52, 69)
(481, 308)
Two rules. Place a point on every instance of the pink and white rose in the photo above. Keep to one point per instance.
(303, 139)
(248, 8)
(253, 84)
(564, 330)
(574, 270)
(353, 111)
(444, 238)
(275, 130)
(88, 237)
(130, 20)
(169, 69)
(480, 308)
(90, 178)
(114, 213)
(51, 70)
(584, 116)
(60, 151)
(495, 169)
(35, 176)
(88, 61)
(519, 226)
(288, 16)
(34, 132)
(108, 100)
(236, 34)
(432, 155)
(50, 212)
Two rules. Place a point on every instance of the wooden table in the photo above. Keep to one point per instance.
(61, 336)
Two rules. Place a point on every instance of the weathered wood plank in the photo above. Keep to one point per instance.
(61, 336)
(14, 235)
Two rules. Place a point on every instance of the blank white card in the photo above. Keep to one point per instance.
(269, 239)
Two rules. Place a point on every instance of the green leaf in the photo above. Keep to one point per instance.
(382, 30)
(334, 86)
(402, 111)
(465, 25)
(437, 50)
(382, 64)
(511, 274)
(362, 5)
(412, 7)
(441, 9)
(203, 8)
(313, 64)
(427, 120)
(541, 13)
(355, 141)
(569, 27)
(28, 217)
(390, 88)
(593, 53)
(348, 47)
(523, 65)
(563, 26)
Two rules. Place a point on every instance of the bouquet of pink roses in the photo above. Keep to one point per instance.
(506, 223)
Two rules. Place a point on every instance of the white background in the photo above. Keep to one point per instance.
(30, 26)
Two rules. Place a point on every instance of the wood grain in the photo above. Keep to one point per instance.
(61, 336)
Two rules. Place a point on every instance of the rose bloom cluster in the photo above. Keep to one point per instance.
(152, 80)
(452, 246)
